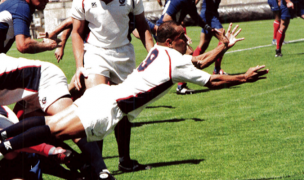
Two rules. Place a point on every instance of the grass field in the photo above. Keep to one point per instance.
(253, 131)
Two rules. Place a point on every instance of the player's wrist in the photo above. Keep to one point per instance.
(207, 27)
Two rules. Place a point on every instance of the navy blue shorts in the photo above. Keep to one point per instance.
(273, 5)
(211, 19)
(285, 12)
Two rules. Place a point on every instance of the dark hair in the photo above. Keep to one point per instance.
(166, 30)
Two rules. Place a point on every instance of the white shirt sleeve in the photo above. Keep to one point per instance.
(185, 71)
(139, 7)
(77, 10)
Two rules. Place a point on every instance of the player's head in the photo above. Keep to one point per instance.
(172, 35)
(38, 4)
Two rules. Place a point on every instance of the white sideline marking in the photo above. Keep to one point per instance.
(257, 47)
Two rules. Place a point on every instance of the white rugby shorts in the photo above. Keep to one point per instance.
(98, 112)
(114, 63)
(53, 85)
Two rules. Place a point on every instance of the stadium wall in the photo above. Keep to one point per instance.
(230, 11)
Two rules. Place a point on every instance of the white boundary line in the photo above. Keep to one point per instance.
(257, 47)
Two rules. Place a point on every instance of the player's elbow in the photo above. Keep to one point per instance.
(22, 48)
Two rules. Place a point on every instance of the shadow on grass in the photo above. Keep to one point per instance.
(152, 107)
(161, 164)
(138, 124)
(283, 177)
(109, 157)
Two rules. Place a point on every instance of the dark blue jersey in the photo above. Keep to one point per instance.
(210, 6)
(178, 9)
(15, 18)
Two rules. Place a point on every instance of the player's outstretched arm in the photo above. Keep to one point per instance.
(222, 81)
(27, 45)
(204, 60)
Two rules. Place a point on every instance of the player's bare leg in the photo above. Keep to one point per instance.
(281, 36)
(203, 44)
(36, 130)
(276, 26)
(59, 105)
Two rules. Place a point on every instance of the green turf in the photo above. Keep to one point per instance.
(252, 131)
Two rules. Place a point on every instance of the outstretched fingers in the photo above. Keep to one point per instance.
(234, 29)
(240, 39)
(229, 29)
(238, 32)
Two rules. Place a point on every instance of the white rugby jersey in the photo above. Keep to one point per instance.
(6, 17)
(154, 77)
(19, 78)
(108, 23)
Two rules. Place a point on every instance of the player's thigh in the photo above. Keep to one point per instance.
(59, 105)
(66, 124)
(284, 24)
(95, 79)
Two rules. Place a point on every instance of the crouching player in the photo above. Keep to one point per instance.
(31, 162)
(97, 112)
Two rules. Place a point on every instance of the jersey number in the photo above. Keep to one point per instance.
(148, 61)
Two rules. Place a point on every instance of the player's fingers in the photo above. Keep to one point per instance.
(234, 29)
(229, 28)
(77, 84)
(259, 67)
(216, 30)
(263, 72)
(41, 35)
(238, 32)
(240, 39)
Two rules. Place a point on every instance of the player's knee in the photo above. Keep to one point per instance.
(302, 16)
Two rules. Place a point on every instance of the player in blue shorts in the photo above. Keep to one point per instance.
(15, 19)
(210, 15)
(283, 11)
(176, 10)
(275, 8)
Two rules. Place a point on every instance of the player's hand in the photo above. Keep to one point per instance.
(232, 35)
(290, 5)
(59, 52)
(189, 40)
(253, 74)
(79, 72)
(52, 44)
(220, 35)
(42, 35)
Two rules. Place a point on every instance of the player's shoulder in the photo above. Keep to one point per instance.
(15, 6)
